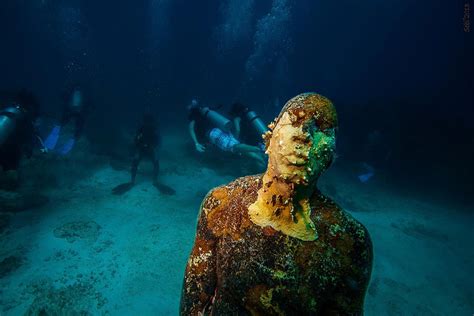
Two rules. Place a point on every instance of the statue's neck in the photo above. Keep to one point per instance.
(285, 206)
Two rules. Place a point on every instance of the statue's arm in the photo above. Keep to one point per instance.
(200, 275)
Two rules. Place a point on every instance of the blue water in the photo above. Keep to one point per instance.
(398, 72)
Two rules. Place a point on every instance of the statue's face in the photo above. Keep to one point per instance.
(299, 151)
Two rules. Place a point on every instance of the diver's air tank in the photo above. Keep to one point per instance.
(9, 118)
(76, 103)
(217, 119)
(256, 121)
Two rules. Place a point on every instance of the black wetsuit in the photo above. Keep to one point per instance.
(20, 143)
(248, 133)
(202, 126)
(146, 142)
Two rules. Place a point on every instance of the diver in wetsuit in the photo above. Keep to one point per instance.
(248, 126)
(17, 131)
(208, 126)
(75, 109)
(146, 143)
(198, 127)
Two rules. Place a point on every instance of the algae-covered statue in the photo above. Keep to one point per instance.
(273, 244)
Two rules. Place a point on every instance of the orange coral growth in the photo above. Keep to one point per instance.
(227, 217)
(201, 245)
(269, 231)
(220, 194)
(198, 260)
(203, 297)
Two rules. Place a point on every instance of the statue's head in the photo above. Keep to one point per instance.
(302, 142)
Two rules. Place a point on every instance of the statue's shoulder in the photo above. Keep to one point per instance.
(336, 224)
(225, 207)
(237, 191)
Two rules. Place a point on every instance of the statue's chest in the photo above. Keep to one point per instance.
(257, 258)
(269, 260)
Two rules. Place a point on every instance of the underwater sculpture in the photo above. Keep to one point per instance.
(273, 244)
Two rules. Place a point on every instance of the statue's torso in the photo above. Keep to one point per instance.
(262, 271)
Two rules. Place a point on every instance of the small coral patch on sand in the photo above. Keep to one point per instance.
(10, 264)
(80, 230)
(80, 298)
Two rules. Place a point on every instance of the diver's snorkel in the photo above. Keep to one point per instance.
(217, 119)
(9, 118)
(256, 121)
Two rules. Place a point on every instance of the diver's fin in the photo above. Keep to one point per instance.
(52, 139)
(122, 188)
(68, 145)
(164, 189)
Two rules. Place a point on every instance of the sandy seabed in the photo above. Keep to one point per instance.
(87, 250)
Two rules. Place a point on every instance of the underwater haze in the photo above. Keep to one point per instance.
(114, 78)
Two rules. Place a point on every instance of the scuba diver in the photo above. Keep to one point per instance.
(75, 108)
(17, 131)
(248, 126)
(208, 126)
(146, 142)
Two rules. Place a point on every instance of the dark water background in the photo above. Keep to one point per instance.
(401, 68)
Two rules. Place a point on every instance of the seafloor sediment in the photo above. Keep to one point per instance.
(69, 245)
